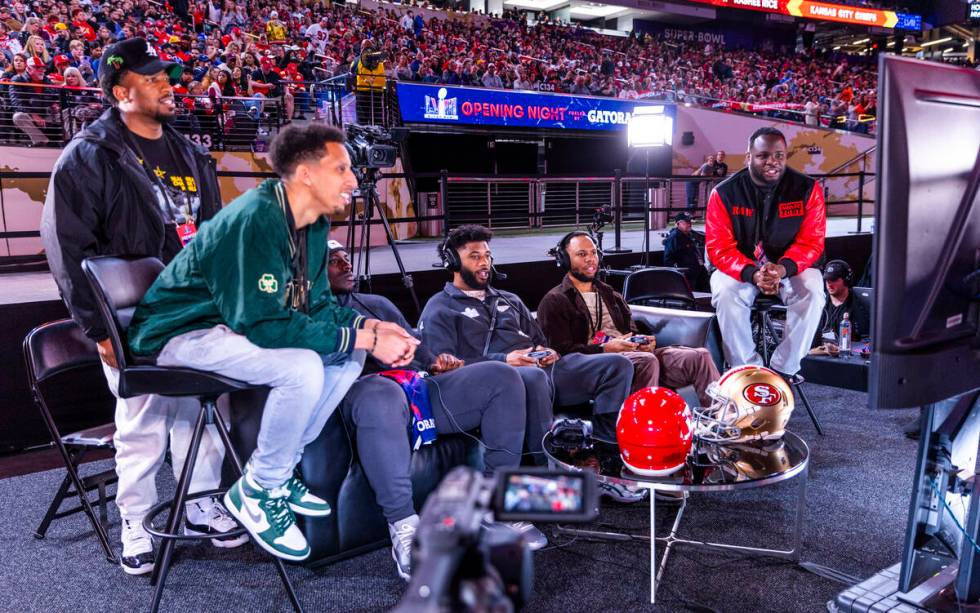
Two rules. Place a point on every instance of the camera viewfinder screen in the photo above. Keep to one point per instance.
(546, 494)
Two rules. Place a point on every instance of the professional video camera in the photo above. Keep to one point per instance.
(371, 59)
(459, 565)
(371, 146)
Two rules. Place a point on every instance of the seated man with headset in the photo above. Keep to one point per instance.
(479, 323)
(456, 398)
(584, 315)
(838, 280)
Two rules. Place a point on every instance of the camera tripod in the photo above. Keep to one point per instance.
(368, 187)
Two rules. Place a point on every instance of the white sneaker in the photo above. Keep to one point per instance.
(402, 534)
(534, 538)
(208, 516)
(138, 557)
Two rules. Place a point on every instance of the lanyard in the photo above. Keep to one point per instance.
(298, 290)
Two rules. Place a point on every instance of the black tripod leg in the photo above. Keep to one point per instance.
(162, 567)
(237, 461)
(809, 410)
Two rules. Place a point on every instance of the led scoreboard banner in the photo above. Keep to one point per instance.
(448, 105)
(855, 15)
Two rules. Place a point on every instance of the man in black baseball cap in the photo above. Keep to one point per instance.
(682, 248)
(130, 184)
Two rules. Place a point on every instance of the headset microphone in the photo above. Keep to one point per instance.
(496, 273)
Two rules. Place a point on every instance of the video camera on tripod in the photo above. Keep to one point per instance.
(371, 147)
(458, 565)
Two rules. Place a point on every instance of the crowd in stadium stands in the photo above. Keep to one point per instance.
(275, 48)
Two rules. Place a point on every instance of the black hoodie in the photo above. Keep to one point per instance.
(101, 202)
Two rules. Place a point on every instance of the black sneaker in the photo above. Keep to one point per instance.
(138, 556)
(208, 516)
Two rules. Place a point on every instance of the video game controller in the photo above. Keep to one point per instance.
(639, 339)
(537, 355)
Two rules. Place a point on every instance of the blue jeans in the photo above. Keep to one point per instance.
(306, 389)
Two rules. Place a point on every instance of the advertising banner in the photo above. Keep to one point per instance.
(445, 105)
(826, 11)
(721, 35)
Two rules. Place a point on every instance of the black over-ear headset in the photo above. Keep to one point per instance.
(560, 251)
(450, 257)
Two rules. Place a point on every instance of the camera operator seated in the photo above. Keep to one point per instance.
(838, 276)
(681, 249)
(458, 398)
(479, 323)
(584, 315)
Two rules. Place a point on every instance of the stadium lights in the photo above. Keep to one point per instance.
(649, 126)
(937, 41)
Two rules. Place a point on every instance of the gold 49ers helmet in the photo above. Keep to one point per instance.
(750, 403)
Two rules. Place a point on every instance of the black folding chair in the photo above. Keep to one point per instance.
(119, 284)
(65, 376)
(659, 287)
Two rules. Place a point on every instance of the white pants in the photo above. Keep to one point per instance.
(803, 296)
(306, 389)
(144, 426)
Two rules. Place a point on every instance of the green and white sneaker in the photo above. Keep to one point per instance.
(299, 498)
(304, 502)
(265, 514)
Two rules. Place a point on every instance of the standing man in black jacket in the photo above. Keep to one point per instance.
(131, 185)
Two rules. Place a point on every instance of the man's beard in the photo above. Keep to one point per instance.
(162, 118)
(581, 276)
(471, 281)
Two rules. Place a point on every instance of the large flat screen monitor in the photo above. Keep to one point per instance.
(927, 234)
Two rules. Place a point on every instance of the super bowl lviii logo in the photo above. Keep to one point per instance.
(441, 107)
(762, 394)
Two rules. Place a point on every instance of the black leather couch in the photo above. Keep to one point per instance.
(331, 470)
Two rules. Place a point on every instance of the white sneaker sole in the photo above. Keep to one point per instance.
(142, 570)
(398, 567)
(308, 512)
(258, 540)
(229, 543)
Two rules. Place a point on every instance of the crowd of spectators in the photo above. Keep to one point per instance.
(260, 49)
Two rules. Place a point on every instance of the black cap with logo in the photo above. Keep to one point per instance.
(138, 55)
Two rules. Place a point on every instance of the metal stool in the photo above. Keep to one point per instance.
(760, 308)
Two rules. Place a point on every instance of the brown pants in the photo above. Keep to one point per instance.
(674, 367)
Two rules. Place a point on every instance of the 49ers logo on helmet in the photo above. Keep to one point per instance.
(762, 393)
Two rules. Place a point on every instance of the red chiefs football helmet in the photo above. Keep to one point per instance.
(654, 432)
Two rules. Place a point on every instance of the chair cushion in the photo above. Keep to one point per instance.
(99, 436)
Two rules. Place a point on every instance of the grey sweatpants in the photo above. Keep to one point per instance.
(488, 395)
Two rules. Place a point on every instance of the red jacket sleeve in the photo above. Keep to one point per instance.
(720, 240)
(809, 242)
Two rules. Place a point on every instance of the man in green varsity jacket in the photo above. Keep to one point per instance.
(249, 298)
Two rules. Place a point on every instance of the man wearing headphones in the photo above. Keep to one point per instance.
(838, 279)
(479, 323)
(457, 398)
(584, 315)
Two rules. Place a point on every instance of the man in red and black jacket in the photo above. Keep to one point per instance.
(765, 233)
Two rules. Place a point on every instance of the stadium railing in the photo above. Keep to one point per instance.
(218, 123)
